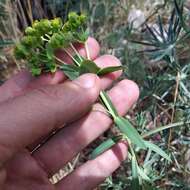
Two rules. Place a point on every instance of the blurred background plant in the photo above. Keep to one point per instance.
(150, 37)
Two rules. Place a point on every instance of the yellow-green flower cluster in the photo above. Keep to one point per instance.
(44, 36)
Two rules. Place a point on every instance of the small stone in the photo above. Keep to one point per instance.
(137, 17)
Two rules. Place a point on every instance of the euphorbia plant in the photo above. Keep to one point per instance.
(38, 47)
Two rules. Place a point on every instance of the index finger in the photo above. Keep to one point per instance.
(26, 118)
(23, 81)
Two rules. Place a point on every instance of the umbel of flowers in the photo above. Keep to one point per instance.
(44, 36)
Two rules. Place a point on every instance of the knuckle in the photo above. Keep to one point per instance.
(114, 60)
(6, 152)
(48, 93)
(91, 97)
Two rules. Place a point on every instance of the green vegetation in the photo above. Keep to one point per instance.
(155, 55)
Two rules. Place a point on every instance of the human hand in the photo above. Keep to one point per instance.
(30, 109)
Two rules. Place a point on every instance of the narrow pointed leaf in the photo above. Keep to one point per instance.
(78, 59)
(179, 7)
(108, 70)
(157, 149)
(102, 148)
(160, 24)
(155, 38)
(135, 179)
(143, 174)
(108, 104)
(125, 127)
(88, 66)
(142, 43)
(160, 129)
(71, 71)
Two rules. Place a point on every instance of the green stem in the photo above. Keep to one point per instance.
(152, 132)
(69, 54)
(87, 51)
(107, 104)
(44, 39)
(49, 37)
(131, 148)
(77, 53)
(61, 61)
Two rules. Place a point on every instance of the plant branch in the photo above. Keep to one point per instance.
(157, 130)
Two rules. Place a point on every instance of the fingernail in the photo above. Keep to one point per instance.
(86, 80)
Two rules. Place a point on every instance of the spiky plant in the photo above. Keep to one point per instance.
(165, 91)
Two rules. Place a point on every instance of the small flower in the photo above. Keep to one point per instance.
(30, 41)
(56, 24)
(30, 31)
(56, 40)
(43, 26)
(20, 52)
(44, 36)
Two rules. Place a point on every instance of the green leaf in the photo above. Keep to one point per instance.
(56, 41)
(135, 179)
(71, 71)
(102, 148)
(125, 127)
(108, 70)
(143, 174)
(56, 24)
(81, 37)
(108, 104)
(159, 129)
(78, 59)
(157, 149)
(53, 68)
(36, 71)
(20, 51)
(88, 66)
